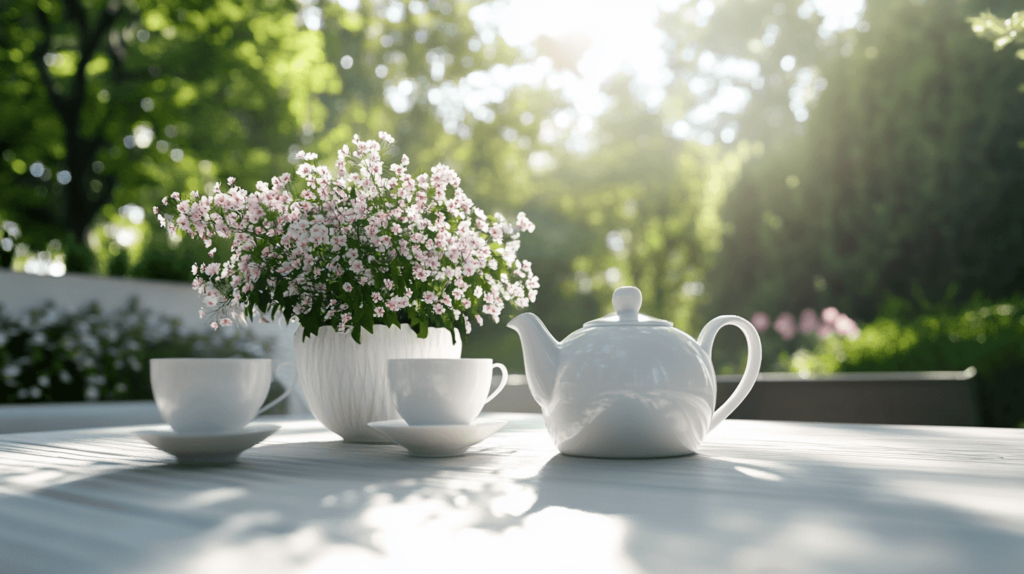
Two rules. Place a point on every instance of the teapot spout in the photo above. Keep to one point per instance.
(540, 354)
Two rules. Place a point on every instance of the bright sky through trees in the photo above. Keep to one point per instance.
(623, 37)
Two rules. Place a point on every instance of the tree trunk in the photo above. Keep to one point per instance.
(80, 207)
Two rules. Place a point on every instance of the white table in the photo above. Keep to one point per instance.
(760, 497)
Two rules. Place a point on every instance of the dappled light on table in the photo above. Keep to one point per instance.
(794, 497)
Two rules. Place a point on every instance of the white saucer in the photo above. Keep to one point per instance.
(195, 449)
(437, 440)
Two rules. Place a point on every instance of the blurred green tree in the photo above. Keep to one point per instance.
(439, 81)
(125, 102)
(116, 102)
(905, 178)
(643, 209)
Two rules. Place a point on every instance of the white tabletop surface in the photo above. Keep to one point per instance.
(765, 497)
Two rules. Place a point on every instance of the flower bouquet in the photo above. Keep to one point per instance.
(365, 245)
(344, 250)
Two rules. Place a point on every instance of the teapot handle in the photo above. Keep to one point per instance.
(707, 339)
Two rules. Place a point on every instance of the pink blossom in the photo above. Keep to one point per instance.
(761, 321)
(785, 326)
(398, 303)
(524, 224)
(829, 315)
(846, 327)
(318, 233)
(808, 321)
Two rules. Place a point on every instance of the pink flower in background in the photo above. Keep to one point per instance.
(832, 322)
(846, 327)
(761, 321)
(808, 321)
(785, 326)
(829, 314)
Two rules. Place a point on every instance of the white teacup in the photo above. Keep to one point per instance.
(211, 395)
(442, 391)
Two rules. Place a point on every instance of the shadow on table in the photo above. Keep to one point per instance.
(782, 514)
(305, 506)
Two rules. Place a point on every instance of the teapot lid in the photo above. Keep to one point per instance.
(626, 301)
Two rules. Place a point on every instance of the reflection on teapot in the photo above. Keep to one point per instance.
(628, 385)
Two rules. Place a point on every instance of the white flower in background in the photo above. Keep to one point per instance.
(134, 363)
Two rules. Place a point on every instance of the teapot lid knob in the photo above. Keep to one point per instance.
(627, 300)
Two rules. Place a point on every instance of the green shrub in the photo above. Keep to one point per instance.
(987, 337)
(50, 355)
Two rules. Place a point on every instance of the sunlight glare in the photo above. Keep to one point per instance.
(624, 38)
(622, 34)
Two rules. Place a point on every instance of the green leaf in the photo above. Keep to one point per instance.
(310, 325)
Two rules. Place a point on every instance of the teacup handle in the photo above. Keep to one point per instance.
(284, 395)
(501, 385)
(707, 338)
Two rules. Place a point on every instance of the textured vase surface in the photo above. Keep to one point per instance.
(346, 383)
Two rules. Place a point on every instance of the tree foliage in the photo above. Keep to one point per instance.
(906, 179)
(129, 98)
(643, 207)
(1002, 33)
(138, 99)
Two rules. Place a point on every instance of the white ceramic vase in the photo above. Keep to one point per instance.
(346, 383)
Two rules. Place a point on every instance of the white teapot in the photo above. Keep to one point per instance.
(628, 385)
